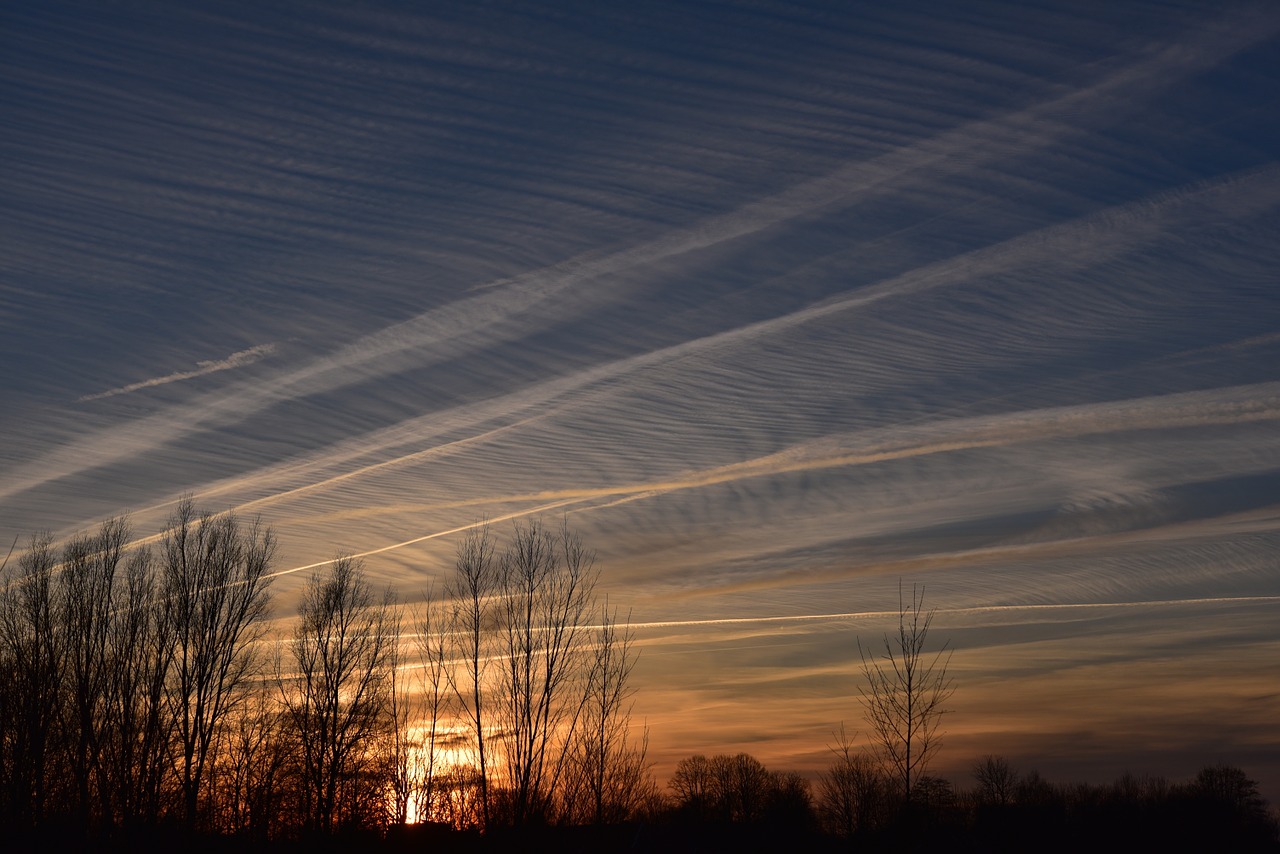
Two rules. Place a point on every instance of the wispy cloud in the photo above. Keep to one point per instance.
(512, 308)
(236, 360)
(1216, 407)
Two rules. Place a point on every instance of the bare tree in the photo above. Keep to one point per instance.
(608, 776)
(852, 790)
(743, 785)
(337, 698)
(457, 801)
(694, 785)
(546, 581)
(997, 781)
(89, 567)
(739, 789)
(34, 657)
(251, 770)
(92, 658)
(474, 583)
(135, 751)
(905, 693)
(404, 702)
(215, 587)
(434, 705)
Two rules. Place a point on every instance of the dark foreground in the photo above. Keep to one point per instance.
(1044, 828)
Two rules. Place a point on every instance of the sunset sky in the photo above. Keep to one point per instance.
(779, 305)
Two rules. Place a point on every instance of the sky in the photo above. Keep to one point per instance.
(781, 306)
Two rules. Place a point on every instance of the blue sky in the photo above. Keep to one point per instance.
(778, 304)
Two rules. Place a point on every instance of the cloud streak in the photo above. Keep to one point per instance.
(985, 609)
(239, 359)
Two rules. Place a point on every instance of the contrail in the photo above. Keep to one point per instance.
(235, 360)
(516, 515)
(979, 609)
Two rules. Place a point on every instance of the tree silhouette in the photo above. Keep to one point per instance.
(852, 792)
(215, 590)
(694, 785)
(547, 582)
(607, 777)
(136, 748)
(89, 574)
(433, 659)
(470, 590)
(34, 664)
(739, 789)
(337, 699)
(997, 781)
(905, 693)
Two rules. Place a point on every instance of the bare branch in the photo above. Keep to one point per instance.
(905, 693)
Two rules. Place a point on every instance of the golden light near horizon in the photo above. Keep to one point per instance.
(442, 754)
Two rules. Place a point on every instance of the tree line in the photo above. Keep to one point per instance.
(857, 804)
(122, 669)
(139, 689)
(140, 693)
(881, 796)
